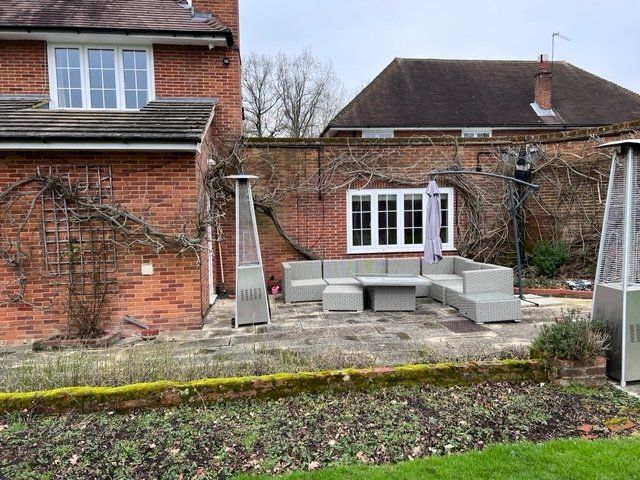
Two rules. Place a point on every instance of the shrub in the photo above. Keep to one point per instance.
(573, 336)
(548, 257)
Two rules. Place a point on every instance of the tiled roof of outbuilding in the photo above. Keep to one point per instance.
(125, 15)
(419, 93)
(165, 120)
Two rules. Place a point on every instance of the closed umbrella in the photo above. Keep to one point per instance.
(433, 243)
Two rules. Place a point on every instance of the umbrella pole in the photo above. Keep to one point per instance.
(516, 234)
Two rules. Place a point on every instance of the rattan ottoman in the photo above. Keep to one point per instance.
(490, 307)
(345, 298)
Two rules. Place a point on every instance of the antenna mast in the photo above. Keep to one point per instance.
(553, 46)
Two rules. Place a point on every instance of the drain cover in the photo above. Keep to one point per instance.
(463, 326)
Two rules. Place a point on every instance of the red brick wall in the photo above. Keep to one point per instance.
(320, 224)
(23, 67)
(159, 187)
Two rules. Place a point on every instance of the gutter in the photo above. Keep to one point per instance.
(58, 144)
(226, 36)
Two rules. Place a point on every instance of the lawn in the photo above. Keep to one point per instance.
(222, 440)
(560, 459)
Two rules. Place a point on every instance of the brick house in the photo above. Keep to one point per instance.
(482, 98)
(122, 99)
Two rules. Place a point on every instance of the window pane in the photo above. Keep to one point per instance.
(136, 78)
(109, 77)
(76, 98)
(73, 57)
(130, 98)
(95, 78)
(108, 59)
(110, 99)
(357, 238)
(102, 78)
(68, 79)
(95, 61)
(366, 237)
(96, 99)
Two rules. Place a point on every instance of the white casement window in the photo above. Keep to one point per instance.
(477, 132)
(100, 76)
(393, 220)
(378, 133)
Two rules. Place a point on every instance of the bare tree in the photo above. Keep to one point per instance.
(262, 106)
(290, 96)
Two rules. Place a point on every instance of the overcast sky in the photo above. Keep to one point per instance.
(361, 37)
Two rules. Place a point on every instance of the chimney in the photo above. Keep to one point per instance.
(543, 84)
(225, 10)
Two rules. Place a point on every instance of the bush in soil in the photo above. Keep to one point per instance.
(548, 257)
(573, 336)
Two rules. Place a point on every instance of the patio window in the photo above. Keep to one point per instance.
(393, 220)
(100, 77)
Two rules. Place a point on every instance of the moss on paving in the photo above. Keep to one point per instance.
(270, 436)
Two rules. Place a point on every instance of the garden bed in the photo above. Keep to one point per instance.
(305, 432)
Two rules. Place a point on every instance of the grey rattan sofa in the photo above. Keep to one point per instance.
(481, 292)
(302, 281)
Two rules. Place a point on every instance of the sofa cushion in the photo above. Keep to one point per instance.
(370, 266)
(440, 278)
(403, 266)
(338, 268)
(308, 283)
(341, 281)
(462, 265)
(305, 270)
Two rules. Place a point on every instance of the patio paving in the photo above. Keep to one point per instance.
(433, 332)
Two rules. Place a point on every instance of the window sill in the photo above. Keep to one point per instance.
(361, 251)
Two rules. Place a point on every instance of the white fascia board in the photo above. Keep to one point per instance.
(105, 146)
(129, 39)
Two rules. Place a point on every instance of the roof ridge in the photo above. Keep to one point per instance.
(468, 60)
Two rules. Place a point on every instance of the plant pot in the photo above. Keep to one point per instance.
(591, 372)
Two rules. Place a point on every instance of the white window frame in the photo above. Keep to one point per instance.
(477, 133)
(84, 73)
(400, 247)
(378, 133)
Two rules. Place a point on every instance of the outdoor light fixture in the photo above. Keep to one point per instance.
(252, 301)
(226, 61)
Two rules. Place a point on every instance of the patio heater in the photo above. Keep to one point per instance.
(252, 301)
(616, 296)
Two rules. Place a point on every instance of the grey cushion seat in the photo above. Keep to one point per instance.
(302, 281)
(342, 281)
(443, 277)
(343, 298)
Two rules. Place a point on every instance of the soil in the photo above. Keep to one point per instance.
(275, 436)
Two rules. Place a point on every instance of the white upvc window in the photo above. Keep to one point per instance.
(477, 132)
(378, 133)
(100, 76)
(394, 220)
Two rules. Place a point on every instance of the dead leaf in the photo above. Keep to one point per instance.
(74, 459)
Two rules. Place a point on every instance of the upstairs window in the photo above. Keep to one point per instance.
(378, 133)
(477, 132)
(100, 77)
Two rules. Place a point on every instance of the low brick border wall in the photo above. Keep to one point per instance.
(166, 393)
(556, 292)
(592, 373)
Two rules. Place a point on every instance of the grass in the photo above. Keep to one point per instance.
(561, 459)
(226, 439)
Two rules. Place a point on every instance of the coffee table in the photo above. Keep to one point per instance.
(391, 293)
